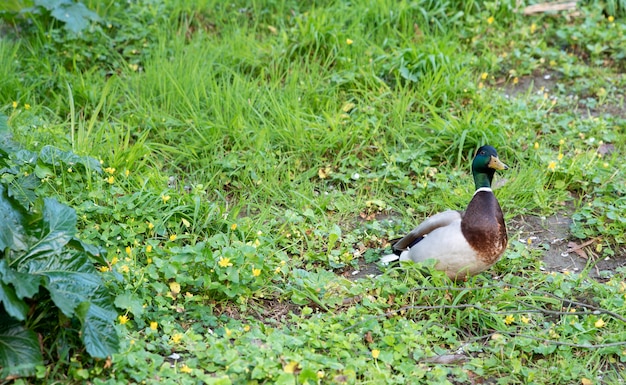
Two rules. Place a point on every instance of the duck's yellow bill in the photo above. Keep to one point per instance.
(496, 164)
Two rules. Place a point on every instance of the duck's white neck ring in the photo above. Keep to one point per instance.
(487, 189)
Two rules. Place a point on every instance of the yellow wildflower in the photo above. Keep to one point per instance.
(484, 75)
(14, 104)
(291, 367)
(224, 262)
(110, 180)
(552, 166)
(599, 323)
(246, 328)
(560, 156)
(256, 272)
(165, 198)
(525, 319)
(26, 106)
(104, 269)
(154, 325)
(324, 172)
(124, 269)
(123, 319)
(375, 353)
(109, 170)
(114, 260)
(611, 19)
(173, 237)
(127, 172)
(533, 28)
(185, 369)
(490, 20)
(175, 287)
(515, 80)
(233, 227)
(349, 41)
(150, 226)
(509, 319)
(536, 146)
(149, 249)
(176, 338)
(129, 251)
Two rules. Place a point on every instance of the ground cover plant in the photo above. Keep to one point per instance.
(232, 171)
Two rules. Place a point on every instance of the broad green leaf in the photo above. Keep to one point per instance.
(23, 190)
(25, 285)
(13, 305)
(76, 16)
(97, 254)
(51, 155)
(52, 4)
(68, 289)
(12, 232)
(19, 349)
(57, 227)
(70, 278)
(55, 157)
(98, 331)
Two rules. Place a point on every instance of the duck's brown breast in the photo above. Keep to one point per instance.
(484, 228)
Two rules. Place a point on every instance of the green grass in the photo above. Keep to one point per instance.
(255, 151)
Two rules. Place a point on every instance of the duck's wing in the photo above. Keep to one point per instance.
(438, 220)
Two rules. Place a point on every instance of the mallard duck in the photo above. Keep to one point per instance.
(462, 243)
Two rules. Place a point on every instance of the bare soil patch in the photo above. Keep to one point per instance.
(547, 82)
(562, 253)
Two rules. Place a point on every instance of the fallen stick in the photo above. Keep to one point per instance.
(549, 7)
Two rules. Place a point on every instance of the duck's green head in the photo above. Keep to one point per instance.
(485, 164)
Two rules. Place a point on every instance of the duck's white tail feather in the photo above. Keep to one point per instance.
(386, 259)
